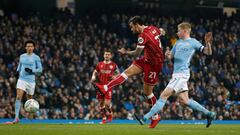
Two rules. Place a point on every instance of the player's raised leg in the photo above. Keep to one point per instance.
(129, 72)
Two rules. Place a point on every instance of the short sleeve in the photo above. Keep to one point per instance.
(97, 68)
(116, 71)
(141, 41)
(173, 49)
(198, 46)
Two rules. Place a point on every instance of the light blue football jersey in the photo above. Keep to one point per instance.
(29, 61)
(182, 52)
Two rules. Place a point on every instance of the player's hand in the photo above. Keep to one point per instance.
(168, 53)
(163, 32)
(28, 70)
(122, 51)
(93, 79)
(208, 38)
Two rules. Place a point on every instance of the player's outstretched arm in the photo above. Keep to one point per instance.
(208, 41)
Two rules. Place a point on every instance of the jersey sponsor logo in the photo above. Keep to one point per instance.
(105, 71)
(181, 48)
(140, 40)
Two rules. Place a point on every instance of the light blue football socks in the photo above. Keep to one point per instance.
(17, 108)
(158, 106)
(196, 106)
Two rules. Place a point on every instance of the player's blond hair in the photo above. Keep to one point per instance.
(185, 26)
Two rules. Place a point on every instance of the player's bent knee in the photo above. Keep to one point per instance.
(164, 96)
(183, 101)
(166, 93)
(129, 73)
(132, 70)
(18, 98)
(148, 90)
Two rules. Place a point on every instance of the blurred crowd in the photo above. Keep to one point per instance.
(70, 48)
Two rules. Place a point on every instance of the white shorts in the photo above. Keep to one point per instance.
(179, 82)
(29, 88)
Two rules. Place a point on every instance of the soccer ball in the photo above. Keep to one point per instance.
(31, 106)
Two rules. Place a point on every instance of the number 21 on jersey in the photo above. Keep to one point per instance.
(152, 75)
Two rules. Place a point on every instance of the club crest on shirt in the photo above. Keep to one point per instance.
(111, 66)
(140, 40)
(154, 31)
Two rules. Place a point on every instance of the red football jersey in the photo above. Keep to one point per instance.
(106, 71)
(149, 39)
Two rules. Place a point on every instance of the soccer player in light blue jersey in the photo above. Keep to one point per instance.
(29, 66)
(182, 53)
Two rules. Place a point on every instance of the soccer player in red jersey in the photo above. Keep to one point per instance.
(150, 64)
(104, 73)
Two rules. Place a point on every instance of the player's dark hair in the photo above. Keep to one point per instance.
(107, 50)
(136, 20)
(29, 41)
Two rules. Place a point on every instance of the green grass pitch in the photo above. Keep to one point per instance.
(117, 129)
